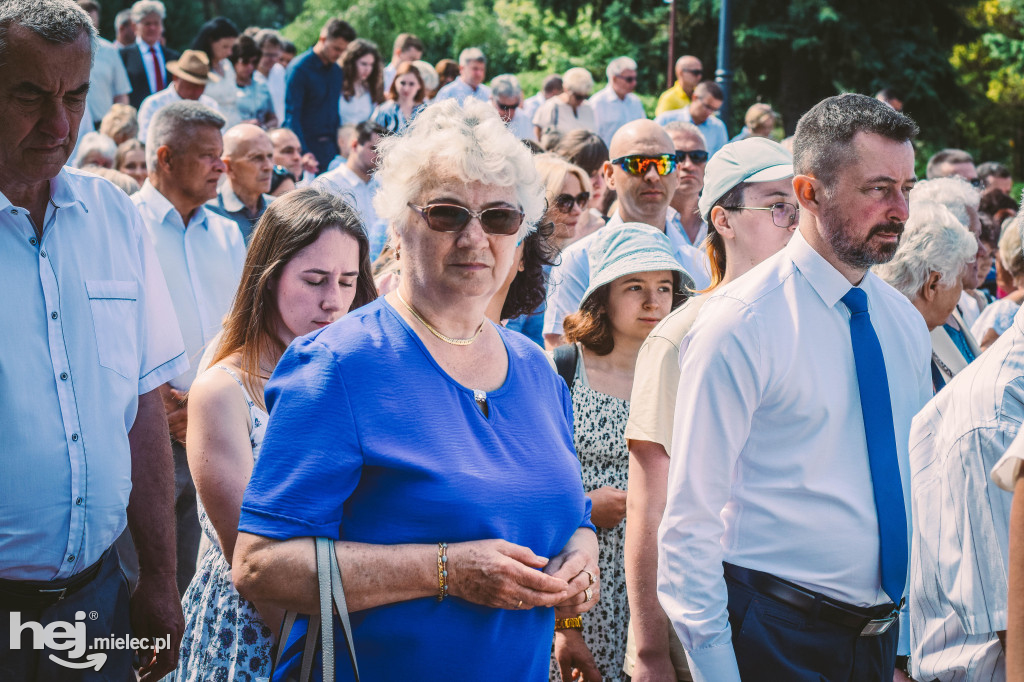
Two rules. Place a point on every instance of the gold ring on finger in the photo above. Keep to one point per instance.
(590, 576)
(520, 604)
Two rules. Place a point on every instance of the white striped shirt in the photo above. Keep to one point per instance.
(959, 552)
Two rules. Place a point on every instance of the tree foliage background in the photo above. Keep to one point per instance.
(958, 63)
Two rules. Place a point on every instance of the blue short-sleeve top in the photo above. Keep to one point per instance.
(370, 440)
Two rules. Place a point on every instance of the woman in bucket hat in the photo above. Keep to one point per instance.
(636, 281)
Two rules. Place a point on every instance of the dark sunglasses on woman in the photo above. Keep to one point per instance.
(565, 202)
(452, 218)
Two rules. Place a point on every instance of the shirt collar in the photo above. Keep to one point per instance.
(161, 207)
(1018, 319)
(670, 216)
(144, 47)
(62, 194)
(231, 203)
(830, 284)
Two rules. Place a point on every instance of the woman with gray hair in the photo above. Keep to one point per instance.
(997, 317)
(570, 110)
(433, 446)
(928, 269)
(95, 149)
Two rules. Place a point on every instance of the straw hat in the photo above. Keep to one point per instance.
(193, 66)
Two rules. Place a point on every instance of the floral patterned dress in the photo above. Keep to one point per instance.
(225, 638)
(600, 439)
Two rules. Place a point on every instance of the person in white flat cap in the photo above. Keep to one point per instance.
(751, 211)
(635, 282)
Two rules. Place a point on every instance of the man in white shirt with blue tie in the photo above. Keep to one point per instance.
(784, 546)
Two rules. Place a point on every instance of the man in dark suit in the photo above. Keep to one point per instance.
(146, 60)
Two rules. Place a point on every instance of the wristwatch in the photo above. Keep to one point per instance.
(903, 664)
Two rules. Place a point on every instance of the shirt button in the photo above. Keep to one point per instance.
(32, 241)
(43, 254)
(71, 558)
(79, 500)
(63, 376)
(53, 315)
(74, 436)
(14, 211)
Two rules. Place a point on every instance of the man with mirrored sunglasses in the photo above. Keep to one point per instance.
(706, 101)
(644, 177)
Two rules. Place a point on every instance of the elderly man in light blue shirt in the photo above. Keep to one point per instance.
(89, 334)
(616, 104)
(707, 100)
(201, 254)
(472, 70)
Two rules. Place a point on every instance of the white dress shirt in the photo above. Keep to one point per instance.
(389, 74)
(275, 84)
(87, 327)
(532, 104)
(202, 264)
(107, 79)
(569, 279)
(459, 90)
(556, 115)
(156, 102)
(612, 112)
(522, 127)
(960, 549)
(147, 61)
(344, 182)
(769, 465)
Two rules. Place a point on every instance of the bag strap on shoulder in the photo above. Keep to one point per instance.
(566, 356)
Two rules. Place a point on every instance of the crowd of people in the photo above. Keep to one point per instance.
(576, 393)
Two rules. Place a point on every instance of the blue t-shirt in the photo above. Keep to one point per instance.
(369, 440)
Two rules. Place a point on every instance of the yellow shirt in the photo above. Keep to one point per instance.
(673, 98)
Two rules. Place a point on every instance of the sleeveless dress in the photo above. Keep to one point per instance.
(225, 639)
(599, 422)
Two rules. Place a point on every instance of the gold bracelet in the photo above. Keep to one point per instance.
(442, 570)
(574, 623)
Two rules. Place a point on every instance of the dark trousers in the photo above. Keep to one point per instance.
(103, 604)
(186, 515)
(324, 148)
(774, 641)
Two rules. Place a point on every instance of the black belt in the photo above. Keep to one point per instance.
(18, 595)
(866, 621)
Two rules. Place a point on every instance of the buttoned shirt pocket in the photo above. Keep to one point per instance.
(114, 306)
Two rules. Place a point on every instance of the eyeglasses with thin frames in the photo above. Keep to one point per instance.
(443, 217)
(784, 214)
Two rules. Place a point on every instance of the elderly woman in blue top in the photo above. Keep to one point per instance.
(416, 429)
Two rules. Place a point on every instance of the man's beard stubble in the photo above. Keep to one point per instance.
(860, 255)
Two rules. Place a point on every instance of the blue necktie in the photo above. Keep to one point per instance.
(876, 407)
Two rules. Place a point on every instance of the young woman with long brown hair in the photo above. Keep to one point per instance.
(307, 266)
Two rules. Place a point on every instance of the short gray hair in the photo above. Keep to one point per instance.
(618, 65)
(506, 85)
(267, 36)
(933, 241)
(175, 124)
(94, 143)
(578, 80)
(471, 54)
(685, 128)
(470, 143)
(57, 21)
(953, 192)
(122, 18)
(143, 8)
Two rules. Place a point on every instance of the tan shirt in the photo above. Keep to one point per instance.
(651, 413)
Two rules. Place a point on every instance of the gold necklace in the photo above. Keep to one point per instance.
(430, 328)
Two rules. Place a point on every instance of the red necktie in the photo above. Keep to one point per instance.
(157, 70)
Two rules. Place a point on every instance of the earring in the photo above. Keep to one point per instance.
(398, 253)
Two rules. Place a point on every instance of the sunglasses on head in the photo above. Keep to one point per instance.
(696, 155)
(640, 164)
(565, 202)
(453, 218)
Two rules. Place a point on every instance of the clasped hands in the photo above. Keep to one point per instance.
(504, 575)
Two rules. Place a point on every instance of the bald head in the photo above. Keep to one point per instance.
(689, 72)
(249, 158)
(238, 138)
(641, 136)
